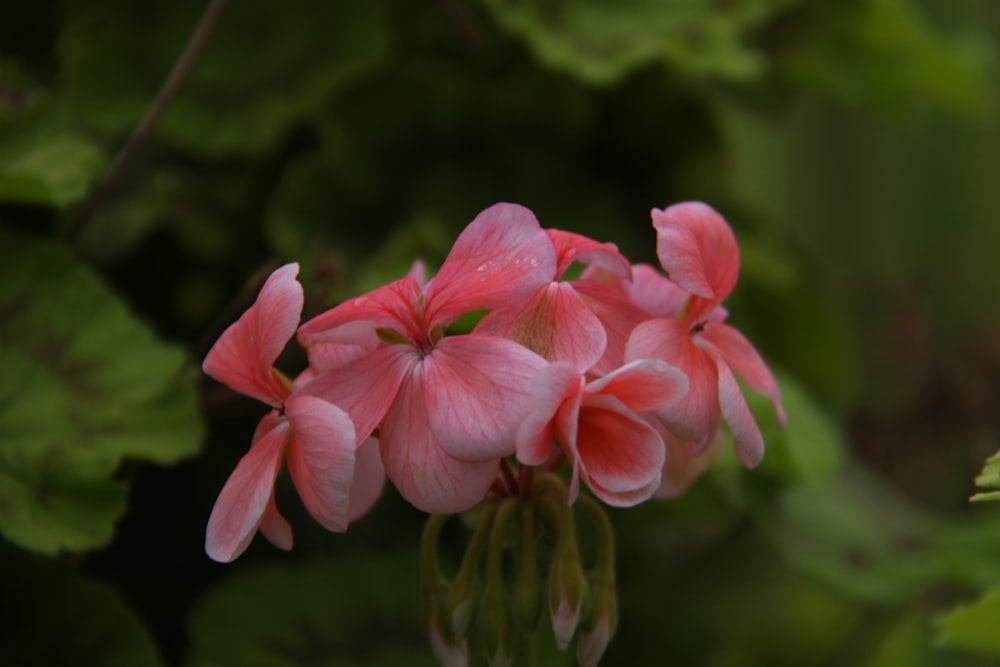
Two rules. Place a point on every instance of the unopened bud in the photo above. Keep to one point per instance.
(496, 629)
(460, 604)
(567, 590)
(449, 654)
(600, 622)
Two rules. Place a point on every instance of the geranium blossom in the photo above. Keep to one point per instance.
(315, 437)
(699, 252)
(615, 452)
(446, 408)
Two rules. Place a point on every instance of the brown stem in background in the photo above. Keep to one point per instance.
(185, 62)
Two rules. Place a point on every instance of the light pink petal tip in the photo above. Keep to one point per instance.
(244, 355)
(245, 497)
(698, 250)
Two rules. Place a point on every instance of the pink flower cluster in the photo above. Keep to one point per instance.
(621, 373)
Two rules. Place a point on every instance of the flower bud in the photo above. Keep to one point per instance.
(497, 628)
(448, 654)
(600, 621)
(567, 590)
(460, 603)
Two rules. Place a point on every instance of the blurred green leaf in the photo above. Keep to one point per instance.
(52, 617)
(858, 536)
(973, 627)
(85, 386)
(810, 450)
(886, 54)
(989, 477)
(266, 68)
(332, 613)
(47, 168)
(602, 42)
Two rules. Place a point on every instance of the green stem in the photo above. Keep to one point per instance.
(182, 68)
(606, 554)
(493, 560)
(428, 547)
(470, 559)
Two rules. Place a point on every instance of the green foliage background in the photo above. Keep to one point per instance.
(853, 144)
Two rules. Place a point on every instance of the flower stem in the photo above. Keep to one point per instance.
(509, 477)
(182, 68)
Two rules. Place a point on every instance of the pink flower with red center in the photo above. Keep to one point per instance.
(613, 450)
(337, 481)
(446, 407)
(697, 248)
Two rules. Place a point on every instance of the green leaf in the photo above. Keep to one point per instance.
(973, 627)
(266, 67)
(884, 53)
(602, 42)
(989, 477)
(331, 613)
(809, 450)
(48, 168)
(858, 536)
(85, 387)
(53, 617)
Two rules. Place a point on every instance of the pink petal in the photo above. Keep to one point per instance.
(275, 528)
(553, 385)
(321, 458)
(694, 417)
(418, 271)
(338, 346)
(423, 473)
(645, 384)
(697, 248)
(499, 259)
(369, 479)
(572, 247)
(739, 354)
(392, 306)
(747, 439)
(621, 456)
(243, 357)
(619, 316)
(555, 323)
(365, 388)
(241, 504)
(685, 462)
(477, 393)
(654, 292)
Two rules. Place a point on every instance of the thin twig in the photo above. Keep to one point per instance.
(185, 62)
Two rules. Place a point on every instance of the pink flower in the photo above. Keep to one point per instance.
(315, 438)
(446, 407)
(613, 450)
(580, 322)
(699, 252)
